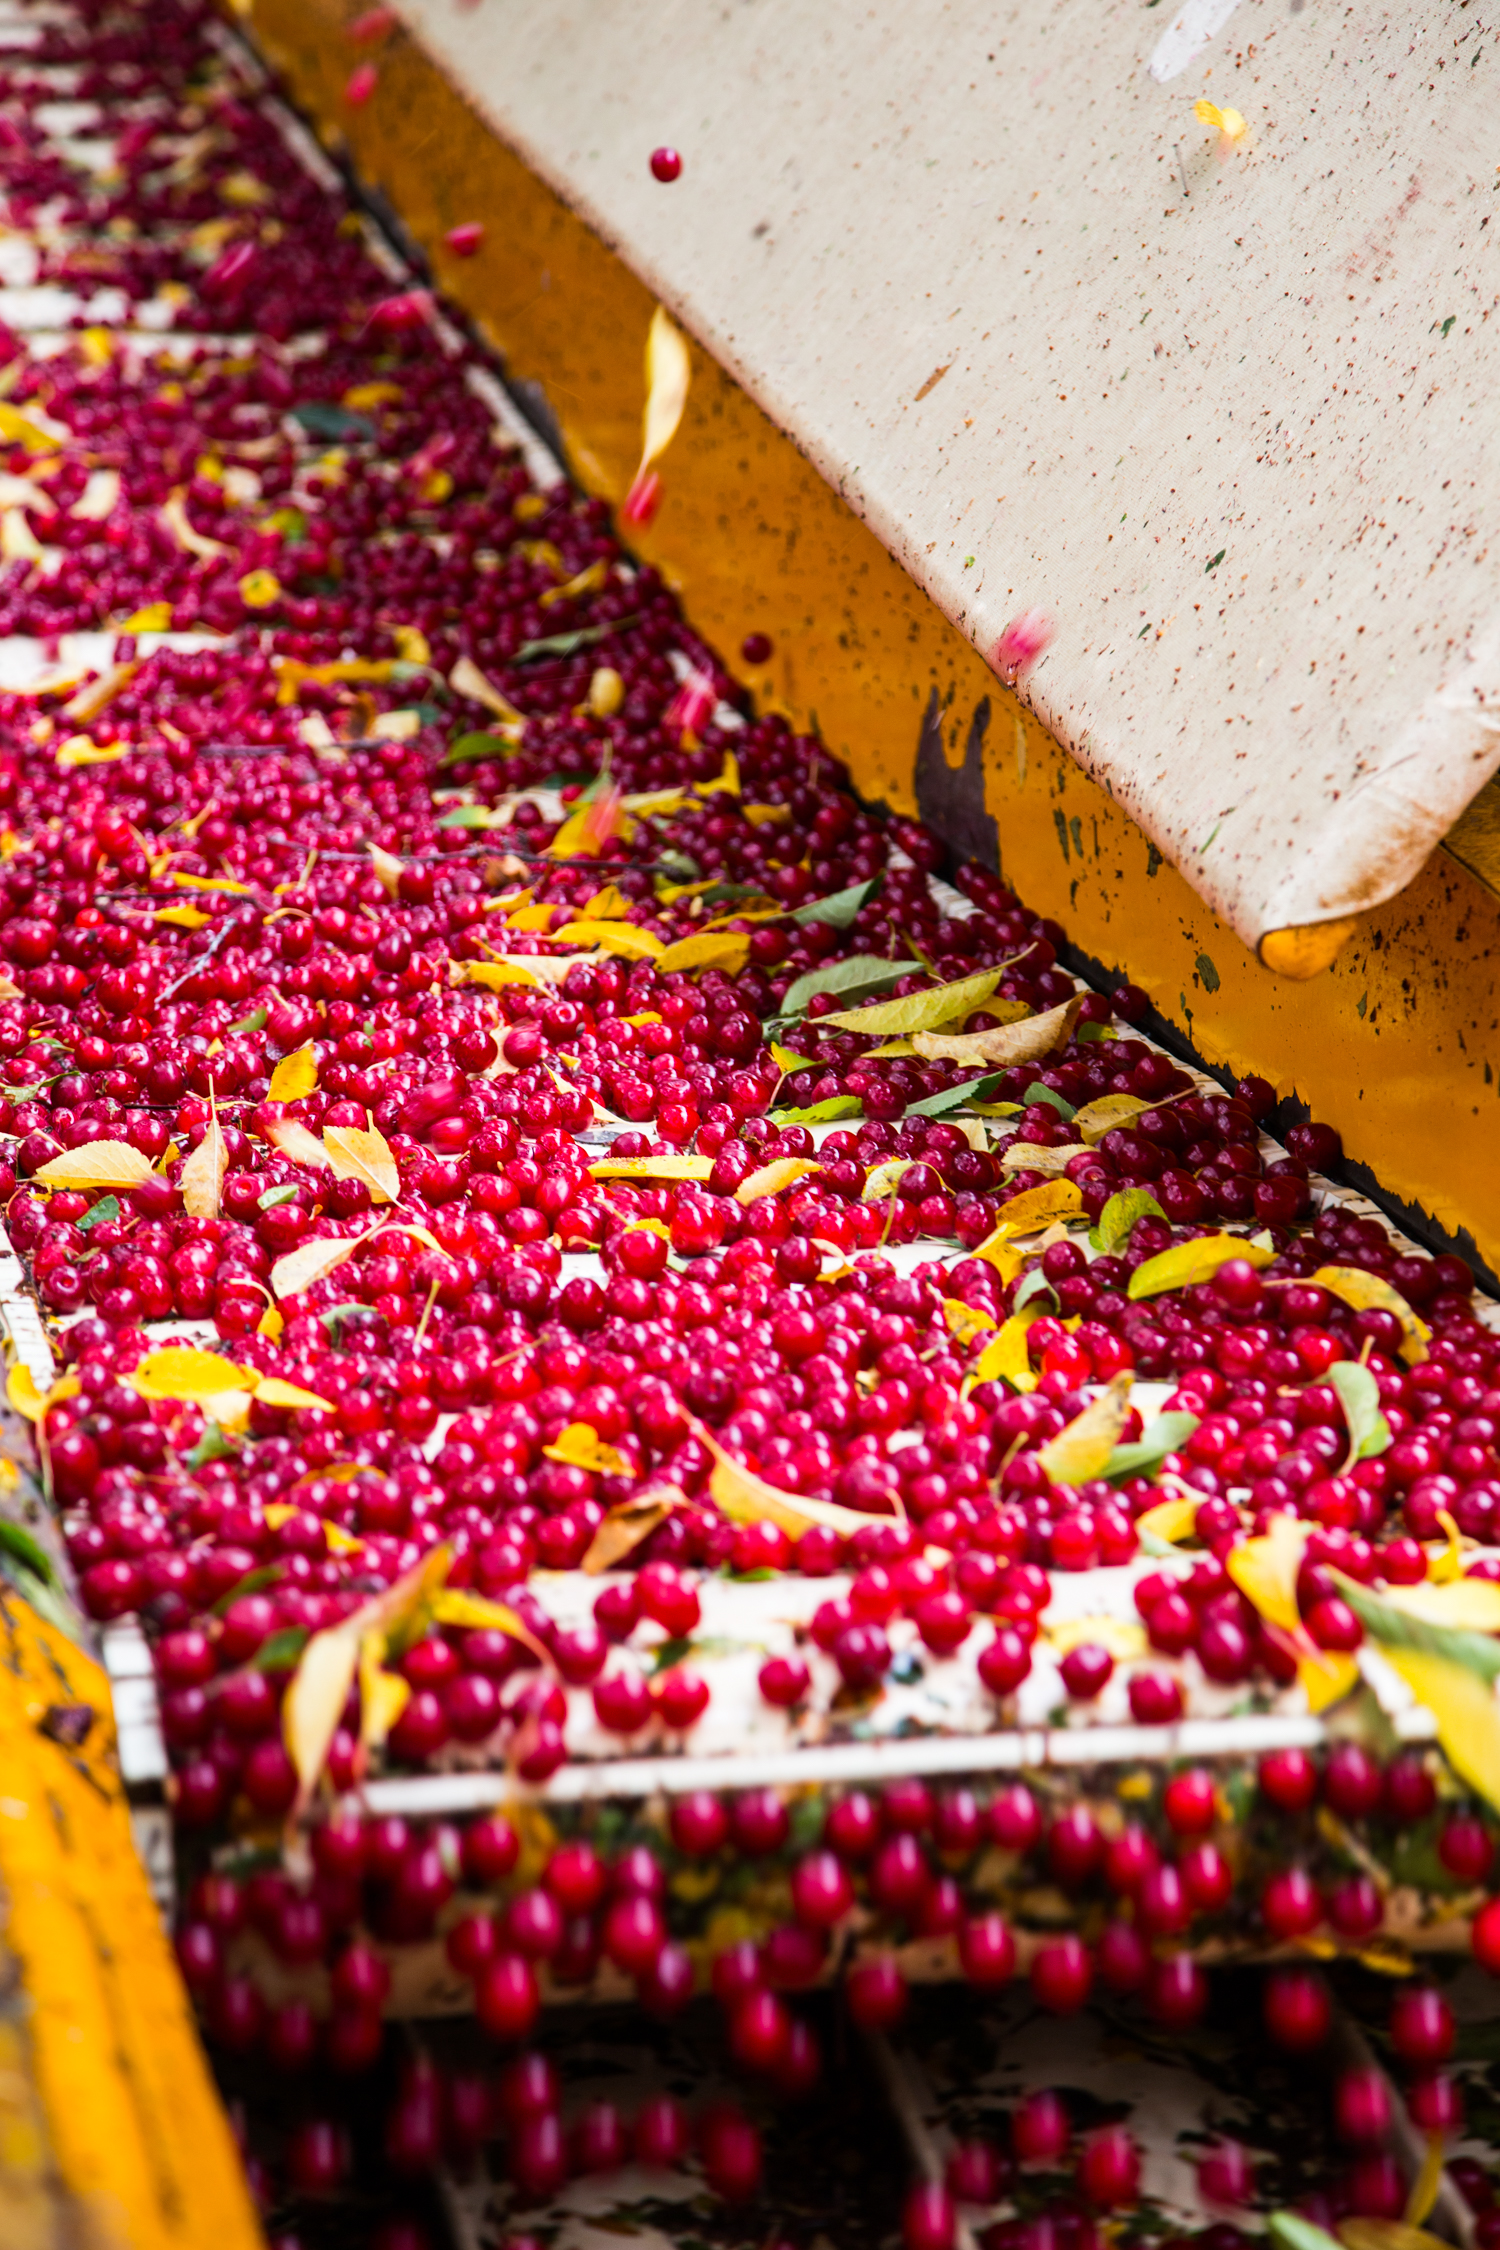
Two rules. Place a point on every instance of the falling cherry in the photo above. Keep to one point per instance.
(666, 165)
(755, 648)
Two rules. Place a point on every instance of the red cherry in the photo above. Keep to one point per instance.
(1040, 2131)
(666, 165)
(1422, 2026)
(1109, 2167)
(928, 2218)
(1297, 2009)
(876, 1992)
(1061, 1973)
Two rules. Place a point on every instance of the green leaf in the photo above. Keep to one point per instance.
(212, 1446)
(1359, 1395)
(1167, 1434)
(568, 644)
(1290, 2231)
(276, 1196)
(322, 419)
(467, 749)
(107, 1207)
(954, 1097)
(470, 816)
(840, 907)
(1041, 1093)
(280, 1650)
(1089, 1034)
(821, 1113)
(862, 973)
(1119, 1216)
(928, 1010)
(20, 1543)
(255, 1021)
(1031, 1285)
(1475, 1652)
(253, 1582)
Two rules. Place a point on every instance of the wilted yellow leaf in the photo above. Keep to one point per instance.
(581, 1447)
(1190, 1262)
(607, 905)
(494, 975)
(1008, 1044)
(1366, 1292)
(1124, 1637)
(383, 1695)
(27, 1400)
(183, 917)
(156, 617)
(91, 700)
(1326, 1678)
(626, 1526)
(1468, 1604)
(1082, 1450)
(668, 374)
(652, 1168)
(174, 516)
(295, 1075)
(1030, 1156)
(98, 1164)
(467, 680)
(453, 1605)
(387, 868)
(709, 950)
(201, 1181)
(178, 1371)
(1265, 1571)
(38, 433)
(1108, 1113)
(357, 1154)
(315, 1699)
(1008, 1357)
(770, 1179)
(1397, 2234)
(747, 1498)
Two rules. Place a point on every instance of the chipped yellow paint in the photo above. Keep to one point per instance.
(1404, 1027)
(125, 2124)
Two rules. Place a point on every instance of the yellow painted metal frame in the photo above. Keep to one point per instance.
(1397, 1044)
(112, 2136)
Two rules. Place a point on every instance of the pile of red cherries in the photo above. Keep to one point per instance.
(380, 726)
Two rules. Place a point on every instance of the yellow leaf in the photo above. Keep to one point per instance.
(27, 1400)
(1171, 1520)
(1227, 123)
(1033, 1209)
(387, 869)
(315, 1699)
(90, 701)
(581, 1447)
(920, 1011)
(1326, 1679)
(532, 921)
(311, 1262)
(1366, 1292)
(1463, 1705)
(620, 938)
(201, 1180)
(590, 826)
(1030, 1156)
(1006, 1259)
(1124, 1637)
(452, 1605)
(38, 434)
(173, 514)
(211, 882)
(1006, 1046)
(156, 617)
(1082, 1450)
(770, 1179)
(1468, 1604)
(297, 1142)
(259, 589)
(606, 692)
(1424, 2188)
(1392, 2234)
(272, 1391)
(709, 950)
(1192, 1262)
(360, 397)
(183, 917)
(272, 1324)
(467, 680)
(82, 750)
(1008, 1358)
(587, 581)
(669, 372)
(1265, 1571)
(412, 645)
(383, 1696)
(1107, 1114)
(494, 975)
(607, 905)
(966, 1321)
(626, 1526)
(891, 1048)
(652, 1168)
(357, 1154)
(180, 1372)
(747, 1498)
(98, 1164)
(295, 1075)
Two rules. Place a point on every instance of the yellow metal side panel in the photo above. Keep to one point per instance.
(139, 2146)
(1398, 1044)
